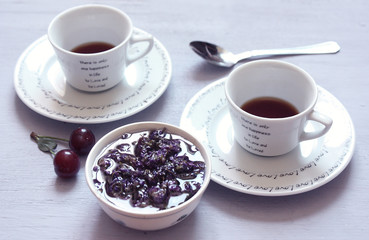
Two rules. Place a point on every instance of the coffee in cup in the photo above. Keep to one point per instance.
(270, 103)
(91, 42)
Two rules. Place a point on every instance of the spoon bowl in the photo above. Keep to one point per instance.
(219, 56)
(214, 54)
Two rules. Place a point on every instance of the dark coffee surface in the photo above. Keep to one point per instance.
(92, 47)
(269, 107)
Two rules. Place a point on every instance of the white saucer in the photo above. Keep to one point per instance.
(312, 164)
(40, 84)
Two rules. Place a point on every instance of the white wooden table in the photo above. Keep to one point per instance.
(35, 204)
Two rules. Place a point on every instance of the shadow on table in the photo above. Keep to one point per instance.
(33, 121)
(277, 209)
(204, 71)
(227, 202)
(106, 228)
(207, 72)
(238, 205)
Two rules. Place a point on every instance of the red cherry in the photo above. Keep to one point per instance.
(66, 163)
(81, 140)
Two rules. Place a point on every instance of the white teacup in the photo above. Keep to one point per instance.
(264, 135)
(86, 24)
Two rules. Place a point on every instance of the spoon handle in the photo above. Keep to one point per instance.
(320, 48)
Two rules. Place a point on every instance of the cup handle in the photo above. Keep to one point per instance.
(320, 118)
(135, 38)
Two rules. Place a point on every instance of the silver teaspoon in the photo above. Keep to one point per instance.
(221, 57)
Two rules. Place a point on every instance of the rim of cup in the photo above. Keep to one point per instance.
(273, 62)
(90, 6)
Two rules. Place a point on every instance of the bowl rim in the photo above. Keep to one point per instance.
(136, 127)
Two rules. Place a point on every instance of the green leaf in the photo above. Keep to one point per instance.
(46, 145)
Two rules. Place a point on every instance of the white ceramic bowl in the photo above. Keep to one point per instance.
(151, 220)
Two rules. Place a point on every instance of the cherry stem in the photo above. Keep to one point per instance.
(52, 152)
(45, 147)
(36, 137)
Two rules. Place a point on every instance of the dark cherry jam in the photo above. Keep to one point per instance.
(150, 170)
